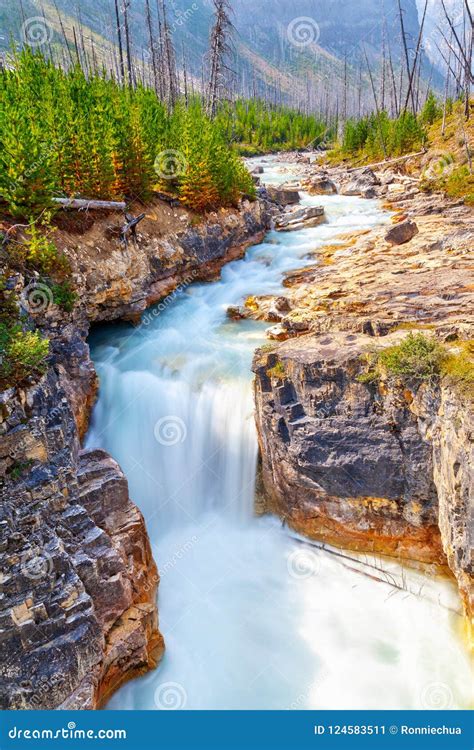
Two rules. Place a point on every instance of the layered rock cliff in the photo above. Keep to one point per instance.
(78, 612)
(384, 469)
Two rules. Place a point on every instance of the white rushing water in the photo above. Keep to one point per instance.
(253, 617)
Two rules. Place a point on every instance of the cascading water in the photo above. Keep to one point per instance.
(252, 616)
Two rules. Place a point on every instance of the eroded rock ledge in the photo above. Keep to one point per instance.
(78, 613)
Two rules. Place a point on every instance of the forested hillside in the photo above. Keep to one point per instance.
(297, 53)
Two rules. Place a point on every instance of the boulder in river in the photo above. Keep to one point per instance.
(302, 218)
(321, 185)
(284, 196)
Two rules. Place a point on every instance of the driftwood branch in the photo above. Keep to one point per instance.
(130, 228)
(86, 205)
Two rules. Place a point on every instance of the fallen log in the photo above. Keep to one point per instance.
(83, 204)
(387, 162)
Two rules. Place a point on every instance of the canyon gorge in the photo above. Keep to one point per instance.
(144, 441)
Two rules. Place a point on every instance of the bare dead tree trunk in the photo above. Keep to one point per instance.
(119, 39)
(172, 89)
(359, 93)
(382, 85)
(151, 42)
(446, 92)
(83, 45)
(394, 84)
(126, 6)
(344, 101)
(382, 139)
(63, 31)
(76, 46)
(412, 75)
(94, 57)
(405, 48)
(185, 77)
(463, 51)
(221, 33)
(160, 55)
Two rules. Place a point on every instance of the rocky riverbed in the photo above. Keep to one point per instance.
(384, 468)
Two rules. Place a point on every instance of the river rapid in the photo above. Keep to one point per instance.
(254, 617)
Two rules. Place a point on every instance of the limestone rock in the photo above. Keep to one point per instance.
(302, 218)
(335, 451)
(363, 180)
(284, 196)
(402, 233)
(320, 185)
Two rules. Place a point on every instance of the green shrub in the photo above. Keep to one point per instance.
(64, 295)
(277, 371)
(431, 111)
(23, 354)
(417, 357)
(19, 468)
(459, 367)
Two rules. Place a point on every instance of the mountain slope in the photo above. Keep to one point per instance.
(293, 51)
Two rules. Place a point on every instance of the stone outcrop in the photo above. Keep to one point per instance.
(172, 249)
(363, 180)
(321, 184)
(78, 612)
(300, 218)
(334, 451)
(284, 196)
(78, 586)
(453, 471)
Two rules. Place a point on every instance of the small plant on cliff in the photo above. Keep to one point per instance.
(277, 371)
(64, 295)
(458, 367)
(23, 354)
(417, 358)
